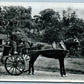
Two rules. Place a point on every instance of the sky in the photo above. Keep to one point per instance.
(77, 1)
(38, 6)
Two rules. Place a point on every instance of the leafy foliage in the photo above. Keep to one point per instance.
(48, 26)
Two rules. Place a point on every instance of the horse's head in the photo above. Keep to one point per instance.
(76, 43)
(72, 42)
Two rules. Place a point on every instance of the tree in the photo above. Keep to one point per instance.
(49, 21)
(15, 16)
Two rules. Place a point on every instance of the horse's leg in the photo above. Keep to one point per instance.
(33, 68)
(33, 58)
(60, 62)
(63, 67)
(29, 67)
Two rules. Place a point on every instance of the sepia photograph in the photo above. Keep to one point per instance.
(42, 41)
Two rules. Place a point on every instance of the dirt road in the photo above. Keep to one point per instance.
(41, 76)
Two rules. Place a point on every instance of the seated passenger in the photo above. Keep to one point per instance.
(14, 41)
(13, 47)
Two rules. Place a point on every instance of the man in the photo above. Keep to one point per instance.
(14, 41)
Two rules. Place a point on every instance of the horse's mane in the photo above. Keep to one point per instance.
(69, 40)
(41, 46)
(37, 46)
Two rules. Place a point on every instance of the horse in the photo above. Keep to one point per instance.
(46, 50)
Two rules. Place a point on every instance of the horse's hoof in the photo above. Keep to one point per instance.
(28, 73)
(61, 75)
(65, 75)
(32, 73)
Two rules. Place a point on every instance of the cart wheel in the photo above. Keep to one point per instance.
(26, 59)
(15, 65)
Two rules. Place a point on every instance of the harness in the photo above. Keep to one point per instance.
(60, 45)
